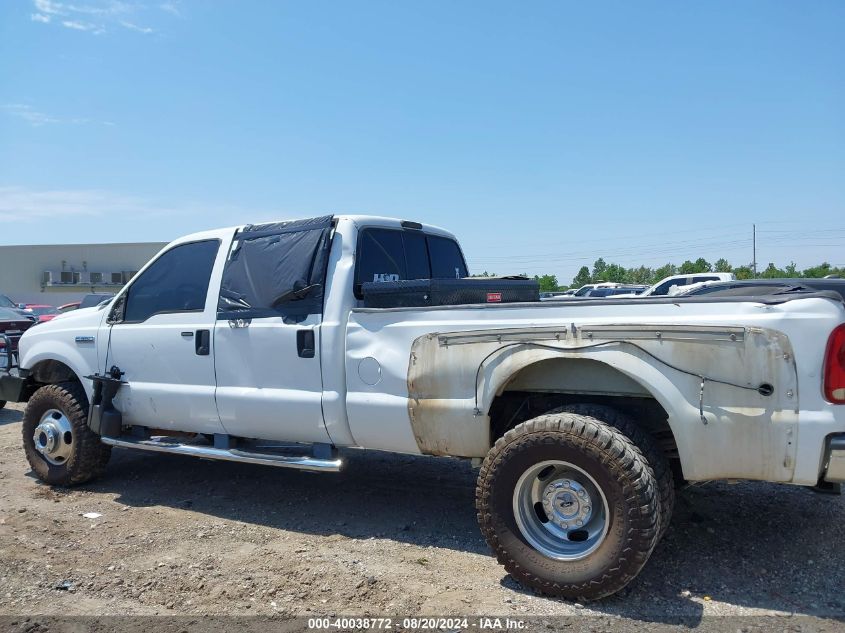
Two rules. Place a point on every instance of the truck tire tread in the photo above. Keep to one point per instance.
(90, 454)
(615, 452)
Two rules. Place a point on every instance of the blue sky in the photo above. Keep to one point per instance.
(543, 134)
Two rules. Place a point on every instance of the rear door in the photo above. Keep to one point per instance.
(267, 332)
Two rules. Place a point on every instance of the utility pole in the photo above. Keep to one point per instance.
(754, 249)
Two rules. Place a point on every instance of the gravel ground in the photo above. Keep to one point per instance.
(390, 534)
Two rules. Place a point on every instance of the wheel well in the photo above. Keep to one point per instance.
(552, 383)
(49, 372)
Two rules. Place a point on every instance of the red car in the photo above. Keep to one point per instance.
(43, 312)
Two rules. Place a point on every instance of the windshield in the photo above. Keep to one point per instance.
(583, 291)
(5, 302)
(10, 315)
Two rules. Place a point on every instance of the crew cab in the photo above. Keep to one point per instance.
(583, 415)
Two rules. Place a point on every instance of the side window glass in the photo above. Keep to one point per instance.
(446, 259)
(663, 289)
(176, 282)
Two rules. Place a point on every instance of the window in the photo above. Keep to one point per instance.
(701, 278)
(447, 262)
(175, 282)
(381, 256)
(416, 255)
(277, 269)
(395, 255)
(663, 289)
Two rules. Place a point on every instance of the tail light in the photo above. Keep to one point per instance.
(834, 366)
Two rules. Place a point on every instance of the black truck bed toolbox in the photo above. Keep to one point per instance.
(443, 292)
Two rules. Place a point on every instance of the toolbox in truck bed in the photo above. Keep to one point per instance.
(442, 292)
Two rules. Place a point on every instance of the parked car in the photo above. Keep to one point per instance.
(88, 301)
(613, 292)
(557, 296)
(8, 304)
(234, 344)
(68, 307)
(42, 313)
(757, 287)
(95, 299)
(12, 326)
(585, 290)
(670, 285)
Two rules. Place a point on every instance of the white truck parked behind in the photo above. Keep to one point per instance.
(582, 414)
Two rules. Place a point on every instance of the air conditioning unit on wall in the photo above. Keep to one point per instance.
(61, 278)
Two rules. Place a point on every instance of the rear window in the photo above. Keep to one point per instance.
(447, 261)
(397, 255)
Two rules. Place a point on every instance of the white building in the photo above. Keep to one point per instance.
(56, 274)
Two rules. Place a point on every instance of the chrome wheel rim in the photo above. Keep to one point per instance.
(54, 437)
(560, 510)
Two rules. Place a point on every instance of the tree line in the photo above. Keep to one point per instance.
(644, 275)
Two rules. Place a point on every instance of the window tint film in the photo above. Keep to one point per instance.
(176, 282)
(446, 259)
(416, 255)
(381, 256)
(395, 255)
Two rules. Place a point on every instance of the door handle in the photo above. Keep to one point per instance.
(202, 342)
(305, 343)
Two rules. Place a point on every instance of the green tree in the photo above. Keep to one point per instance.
(722, 265)
(582, 278)
(743, 272)
(641, 275)
(773, 272)
(822, 270)
(664, 271)
(615, 273)
(700, 265)
(791, 270)
(548, 283)
(599, 268)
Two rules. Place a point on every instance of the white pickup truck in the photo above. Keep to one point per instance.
(253, 344)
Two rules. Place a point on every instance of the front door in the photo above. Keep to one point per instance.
(162, 339)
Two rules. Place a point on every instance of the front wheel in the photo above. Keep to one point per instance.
(569, 506)
(59, 446)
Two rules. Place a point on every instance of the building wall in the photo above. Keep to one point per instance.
(22, 268)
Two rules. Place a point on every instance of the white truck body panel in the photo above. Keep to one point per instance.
(404, 380)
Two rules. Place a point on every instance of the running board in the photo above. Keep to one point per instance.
(299, 462)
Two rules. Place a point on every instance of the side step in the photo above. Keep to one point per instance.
(299, 462)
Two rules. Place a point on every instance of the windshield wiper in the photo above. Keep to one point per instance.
(295, 295)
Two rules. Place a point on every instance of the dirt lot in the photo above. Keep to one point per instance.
(390, 534)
